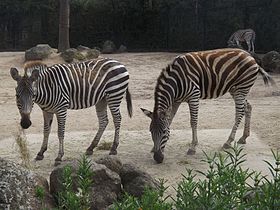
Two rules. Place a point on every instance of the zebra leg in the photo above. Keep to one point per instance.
(115, 110)
(48, 118)
(246, 131)
(249, 45)
(193, 106)
(61, 119)
(101, 111)
(239, 113)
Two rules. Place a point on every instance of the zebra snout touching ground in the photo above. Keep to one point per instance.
(102, 82)
(203, 75)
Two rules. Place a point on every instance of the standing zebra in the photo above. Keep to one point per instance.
(202, 75)
(55, 89)
(245, 35)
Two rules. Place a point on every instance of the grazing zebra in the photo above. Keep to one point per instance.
(55, 89)
(246, 35)
(202, 75)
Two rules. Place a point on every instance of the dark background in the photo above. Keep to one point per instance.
(141, 25)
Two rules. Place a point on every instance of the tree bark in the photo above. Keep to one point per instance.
(64, 13)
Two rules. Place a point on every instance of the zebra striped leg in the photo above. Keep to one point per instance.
(101, 111)
(115, 110)
(239, 113)
(246, 131)
(48, 118)
(61, 119)
(193, 106)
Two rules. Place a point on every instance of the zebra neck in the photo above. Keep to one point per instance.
(163, 101)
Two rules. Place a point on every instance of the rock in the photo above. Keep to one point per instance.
(134, 180)
(112, 162)
(271, 61)
(39, 52)
(122, 49)
(18, 188)
(108, 47)
(72, 54)
(92, 53)
(82, 48)
(105, 189)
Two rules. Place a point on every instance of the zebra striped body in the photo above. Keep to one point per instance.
(60, 87)
(202, 75)
(247, 35)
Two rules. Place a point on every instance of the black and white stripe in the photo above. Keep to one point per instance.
(246, 35)
(101, 82)
(202, 75)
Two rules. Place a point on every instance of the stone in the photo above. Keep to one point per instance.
(92, 53)
(135, 181)
(122, 49)
(82, 48)
(112, 162)
(105, 189)
(18, 188)
(108, 47)
(72, 54)
(271, 61)
(39, 52)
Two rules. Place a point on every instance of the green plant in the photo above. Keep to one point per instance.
(70, 199)
(150, 200)
(40, 194)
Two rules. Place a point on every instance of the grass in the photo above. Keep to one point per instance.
(24, 153)
(104, 145)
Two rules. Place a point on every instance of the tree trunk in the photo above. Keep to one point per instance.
(64, 13)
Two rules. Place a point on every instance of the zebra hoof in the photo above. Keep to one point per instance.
(191, 152)
(57, 162)
(113, 152)
(226, 146)
(89, 152)
(39, 157)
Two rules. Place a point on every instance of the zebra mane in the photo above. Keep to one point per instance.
(29, 66)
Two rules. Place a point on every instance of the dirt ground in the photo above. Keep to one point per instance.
(216, 118)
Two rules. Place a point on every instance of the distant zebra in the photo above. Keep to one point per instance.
(202, 75)
(246, 35)
(55, 89)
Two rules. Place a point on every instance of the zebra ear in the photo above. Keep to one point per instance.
(34, 75)
(14, 74)
(147, 113)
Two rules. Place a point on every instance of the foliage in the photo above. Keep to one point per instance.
(225, 186)
(141, 25)
(151, 199)
(70, 199)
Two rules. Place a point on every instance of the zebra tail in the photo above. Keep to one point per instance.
(128, 103)
(266, 77)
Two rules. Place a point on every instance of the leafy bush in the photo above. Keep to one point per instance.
(226, 186)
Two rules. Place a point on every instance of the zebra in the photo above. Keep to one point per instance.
(202, 75)
(245, 35)
(101, 82)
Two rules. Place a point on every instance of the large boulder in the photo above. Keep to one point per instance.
(105, 189)
(135, 181)
(112, 162)
(39, 52)
(271, 62)
(92, 53)
(72, 54)
(108, 47)
(19, 188)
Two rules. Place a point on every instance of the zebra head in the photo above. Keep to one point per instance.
(159, 129)
(24, 95)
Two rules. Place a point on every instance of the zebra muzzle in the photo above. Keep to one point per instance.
(25, 122)
(158, 156)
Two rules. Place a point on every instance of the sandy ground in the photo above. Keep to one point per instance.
(216, 118)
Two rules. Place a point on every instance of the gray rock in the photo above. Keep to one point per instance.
(82, 48)
(39, 52)
(122, 49)
(92, 53)
(108, 47)
(18, 188)
(135, 181)
(72, 54)
(105, 190)
(112, 162)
